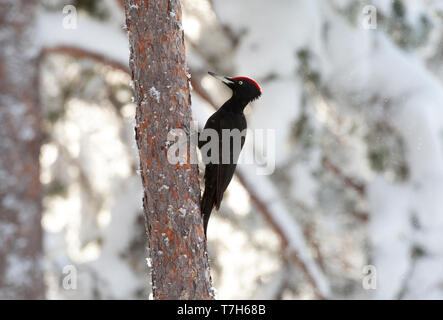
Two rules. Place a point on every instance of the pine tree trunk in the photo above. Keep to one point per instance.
(20, 191)
(180, 268)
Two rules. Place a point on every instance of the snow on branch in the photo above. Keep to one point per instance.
(359, 61)
(96, 37)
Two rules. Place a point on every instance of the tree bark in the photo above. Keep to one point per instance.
(20, 190)
(180, 268)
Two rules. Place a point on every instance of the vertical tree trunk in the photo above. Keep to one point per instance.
(20, 198)
(180, 268)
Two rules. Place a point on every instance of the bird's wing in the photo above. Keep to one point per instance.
(211, 123)
(225, 172)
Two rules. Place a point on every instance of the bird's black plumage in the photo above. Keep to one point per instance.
(218, 174)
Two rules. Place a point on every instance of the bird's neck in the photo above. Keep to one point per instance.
(235, 104)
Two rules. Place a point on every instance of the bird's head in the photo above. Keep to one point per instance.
(243, 88)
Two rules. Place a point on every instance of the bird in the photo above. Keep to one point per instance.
(218, 174)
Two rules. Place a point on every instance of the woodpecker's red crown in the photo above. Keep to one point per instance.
(251, 81)
(244, 89)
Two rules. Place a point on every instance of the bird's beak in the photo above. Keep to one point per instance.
(223, 79)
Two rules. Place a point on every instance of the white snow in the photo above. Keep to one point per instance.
(155, 93)
(90, 35)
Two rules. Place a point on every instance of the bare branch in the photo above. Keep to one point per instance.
(349, 181)
(84, 54)
(21, 275)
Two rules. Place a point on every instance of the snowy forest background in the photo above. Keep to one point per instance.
(358, 117)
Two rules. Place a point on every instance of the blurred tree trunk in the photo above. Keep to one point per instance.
(20, 191)
(180, 268)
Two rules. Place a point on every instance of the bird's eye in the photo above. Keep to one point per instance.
(240, 82)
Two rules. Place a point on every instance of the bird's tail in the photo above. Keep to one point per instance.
(206, 206)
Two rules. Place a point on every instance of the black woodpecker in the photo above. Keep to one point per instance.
(230, 116)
